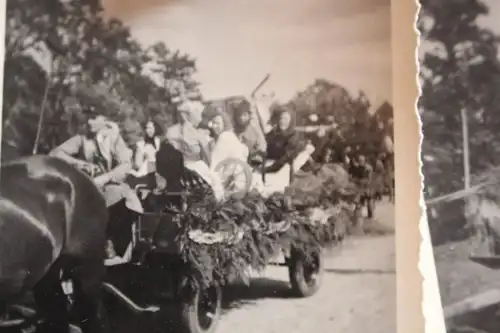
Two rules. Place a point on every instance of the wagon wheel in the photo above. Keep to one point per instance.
(305, 272)
(236, 176)
(200, 313)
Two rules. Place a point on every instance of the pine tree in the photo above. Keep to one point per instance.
(459, 70)
(91, 60)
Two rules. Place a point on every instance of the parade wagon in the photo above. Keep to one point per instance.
(177, 251)
(186, 248)
(166, 271)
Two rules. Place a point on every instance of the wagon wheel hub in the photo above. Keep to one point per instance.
(236, 176)
(312, 271)
(207, 308)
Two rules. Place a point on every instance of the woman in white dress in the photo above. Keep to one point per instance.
(226, 144)
(229, 156)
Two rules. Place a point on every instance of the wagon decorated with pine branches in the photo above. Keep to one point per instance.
(199, 244)
(188, 246)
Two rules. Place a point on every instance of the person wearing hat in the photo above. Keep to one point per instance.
(104, 155)
(193, 144)
(186, 137)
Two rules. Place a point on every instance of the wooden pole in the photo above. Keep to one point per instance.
(43, 106)
(261, 83)
(262, 125)
(465, 143)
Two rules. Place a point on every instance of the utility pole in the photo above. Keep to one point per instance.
(465, 144)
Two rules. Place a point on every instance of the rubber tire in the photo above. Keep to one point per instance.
(300, 288)
(189, 320)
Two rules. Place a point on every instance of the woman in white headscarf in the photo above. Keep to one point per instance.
(229, 156)
(226, 144)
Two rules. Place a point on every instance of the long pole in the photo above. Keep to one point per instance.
(42, 110)
(261, 83)
(465, 143)
(257, 111)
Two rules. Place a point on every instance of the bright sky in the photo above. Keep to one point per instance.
(236, 42)
(492, 20)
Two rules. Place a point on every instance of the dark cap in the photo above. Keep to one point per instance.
(91, 111)
(243, 106)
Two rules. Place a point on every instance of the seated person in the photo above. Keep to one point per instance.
(251, 136)
(175, 180)
(227, 146)
(327, 156)
(284, 143)
(287, 152)
(321, 141)
(186, 138)
(190, 141)
(146, 148)
(103, 149)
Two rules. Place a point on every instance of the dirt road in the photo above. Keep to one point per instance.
(358, 294)
(460, 279)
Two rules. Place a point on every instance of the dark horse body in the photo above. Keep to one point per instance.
(52, 219)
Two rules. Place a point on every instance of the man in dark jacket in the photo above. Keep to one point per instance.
(320, 141)
(362, 172)
(284, 143)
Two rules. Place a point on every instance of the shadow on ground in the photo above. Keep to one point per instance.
(166, 321)
(370, 227)
(449, 225)
(486, 320)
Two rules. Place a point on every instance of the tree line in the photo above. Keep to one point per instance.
(61, 56)
(460, 70)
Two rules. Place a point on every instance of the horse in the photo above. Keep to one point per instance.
(53, 221)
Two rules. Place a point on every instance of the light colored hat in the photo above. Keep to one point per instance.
(193, 108)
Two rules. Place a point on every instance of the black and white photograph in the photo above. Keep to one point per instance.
(222, 166)
(459, 110)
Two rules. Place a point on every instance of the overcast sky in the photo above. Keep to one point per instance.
(236, 42)
(492, 21)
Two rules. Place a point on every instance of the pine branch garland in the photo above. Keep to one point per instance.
(224, 262)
